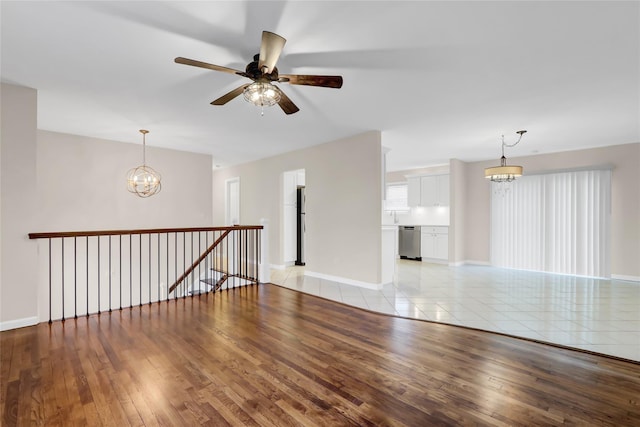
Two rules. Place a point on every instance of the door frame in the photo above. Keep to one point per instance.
(227, 200)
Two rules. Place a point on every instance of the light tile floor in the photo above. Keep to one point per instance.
(592, 314)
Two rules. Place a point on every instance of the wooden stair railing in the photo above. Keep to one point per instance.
(85, 272)
(202, 257)
(94, 233)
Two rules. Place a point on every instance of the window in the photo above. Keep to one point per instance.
(556, 222)
(397, 195)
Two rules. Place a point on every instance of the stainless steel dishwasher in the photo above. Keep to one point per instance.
(409, 242)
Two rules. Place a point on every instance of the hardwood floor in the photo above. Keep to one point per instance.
(266, 355)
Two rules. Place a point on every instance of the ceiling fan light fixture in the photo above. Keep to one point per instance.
(262, 94)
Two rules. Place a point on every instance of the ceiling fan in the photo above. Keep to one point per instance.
(263, 71)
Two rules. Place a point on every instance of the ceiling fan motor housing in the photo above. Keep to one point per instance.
(254, 72)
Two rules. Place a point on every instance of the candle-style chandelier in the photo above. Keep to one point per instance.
(143, 180)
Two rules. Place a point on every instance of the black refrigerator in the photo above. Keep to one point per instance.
(300, 225)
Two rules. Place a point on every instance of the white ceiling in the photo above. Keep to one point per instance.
(440, 80)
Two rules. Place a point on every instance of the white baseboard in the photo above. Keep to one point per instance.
(472, 262)
(435, 261)
(624, 277)
(613, 276)
(18, 323)
(468, 262)
(367, 285)
(278, 266)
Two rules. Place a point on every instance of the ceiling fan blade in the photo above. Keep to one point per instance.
(270, 50)
(229, 96)
(323, 81)
(285, 103)
(201, 64)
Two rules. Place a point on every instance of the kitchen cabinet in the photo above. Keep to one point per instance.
(443, 190)
(434, 190)
(434, 244)
(414, 191)
(428, 190)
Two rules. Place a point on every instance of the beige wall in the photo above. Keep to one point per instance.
(477, 217)
(457, 211)
(343, 187)
(82, 185)
(59, 182)
(625, 201)
(18, 288)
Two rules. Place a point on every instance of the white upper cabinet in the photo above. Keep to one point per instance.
(428, 190)
(443, 190)
(413, 191)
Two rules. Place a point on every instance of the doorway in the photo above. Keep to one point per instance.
(232, 201)
(293, 214)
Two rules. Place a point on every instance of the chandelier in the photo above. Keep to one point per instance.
(143, 180)
(505, 172)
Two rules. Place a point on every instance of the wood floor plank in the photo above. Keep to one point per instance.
(270, 356)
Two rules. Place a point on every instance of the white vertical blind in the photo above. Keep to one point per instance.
(554, 222)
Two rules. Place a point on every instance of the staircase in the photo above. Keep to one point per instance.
(213, 280)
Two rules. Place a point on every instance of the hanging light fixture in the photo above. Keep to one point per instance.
(504, 172)
(143, 180)
(262, 94)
